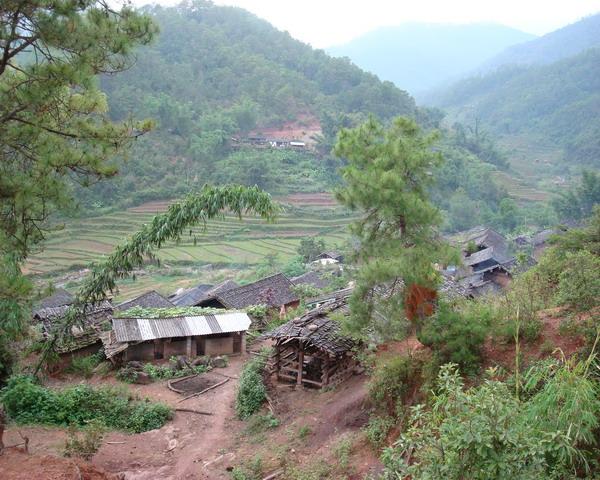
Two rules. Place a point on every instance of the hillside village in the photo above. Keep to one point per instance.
(228, 255)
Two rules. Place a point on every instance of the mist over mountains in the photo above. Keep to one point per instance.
(421, 56)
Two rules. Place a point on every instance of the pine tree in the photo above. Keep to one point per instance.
(387, 179)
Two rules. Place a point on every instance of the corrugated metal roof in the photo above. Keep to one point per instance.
(141, 329)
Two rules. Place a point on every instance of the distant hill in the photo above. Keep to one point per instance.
(558, 103)
(220, 72)
(554, 46)
(420, 56)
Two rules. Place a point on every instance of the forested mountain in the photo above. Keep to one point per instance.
(420, 56)
(554, 46)
(216, 72)
(558, 102)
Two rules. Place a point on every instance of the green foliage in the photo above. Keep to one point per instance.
(85, 442)
(54, 125)
(579, 201)
(84, 366)
(485, 432)
(27, 402)
(378, 429)
(304, 431)
(257, 424)
(579, 282)
(554, 104)
(252, 470)
(393, 380)
(294, 268)
(251, 392)
(454, 337)
(310, 248)
(127, 375)
(387, 180)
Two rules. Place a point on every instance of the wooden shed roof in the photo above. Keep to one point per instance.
(151, 299)
(316, 329)
(275, 291)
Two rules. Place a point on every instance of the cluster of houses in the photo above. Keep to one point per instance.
(309, 350)
(264, 143)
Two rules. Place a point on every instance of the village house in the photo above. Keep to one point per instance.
(275, 291)
(151, 299)
(137, 338)
(311, 351)
(313, 279)
(84, 337)
(487, 262)
(329, 258)
(200, 294)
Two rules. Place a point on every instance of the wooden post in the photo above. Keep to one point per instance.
(243, 347)
(300, 364)
(325, 374)
(188, 346)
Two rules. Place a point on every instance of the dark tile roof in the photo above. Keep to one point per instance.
(328, 297)
(311, 278)
(59, 298)
(151, 299)
(331, 254)
(201, 293)
(317, 330)
(275, 291)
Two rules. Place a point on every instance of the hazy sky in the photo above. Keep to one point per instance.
(324, 23)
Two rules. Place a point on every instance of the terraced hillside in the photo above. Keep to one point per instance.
(227, 242)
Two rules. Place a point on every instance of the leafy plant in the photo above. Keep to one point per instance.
(84, 366)
(393, 380)
(251, 392)
(27, 402)
(454, 337)
(377, 430)
(86, 442)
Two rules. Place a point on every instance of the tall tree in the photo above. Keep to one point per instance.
(54, 127)
(387, 178)
(53, 122)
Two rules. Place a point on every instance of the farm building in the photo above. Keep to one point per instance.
(199, 294)
(157, 338)
(330, 257)
(84, 338)
(313, 279)
(275, 291)
(310, 350)
(151, 299)
(59, 298)
(487, 261)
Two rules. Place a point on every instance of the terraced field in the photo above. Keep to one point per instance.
(225, 242)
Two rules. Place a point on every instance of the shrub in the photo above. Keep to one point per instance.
(127, 374)
(251, 391)
(27, 402)
(579, 282)
(84, 366)
(260, 423)
(85, 443)
(454, 337)
(394, 378)
(377, 430)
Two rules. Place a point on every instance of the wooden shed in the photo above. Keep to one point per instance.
(310, 349)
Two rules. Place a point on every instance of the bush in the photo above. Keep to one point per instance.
(393, 380)
(377, 430)
(27, 402)
(84, 366)
(579, 282)
(455, 338)
(251, 391)
(85, 443)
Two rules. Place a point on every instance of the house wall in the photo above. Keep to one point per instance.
(141, 351)
(218, 346)
(176, 347)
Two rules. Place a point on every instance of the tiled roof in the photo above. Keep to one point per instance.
(275, 291)
(59, 298)
(311, 278)
(201, 293)
(151, 299)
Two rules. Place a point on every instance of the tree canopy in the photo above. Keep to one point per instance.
(387, 179)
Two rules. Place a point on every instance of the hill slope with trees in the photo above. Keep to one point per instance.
(558, 103)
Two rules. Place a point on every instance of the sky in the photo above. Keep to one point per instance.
(324, 23)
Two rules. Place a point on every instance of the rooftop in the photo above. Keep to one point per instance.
(275, 291)
(201, 293)
(151, 299)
